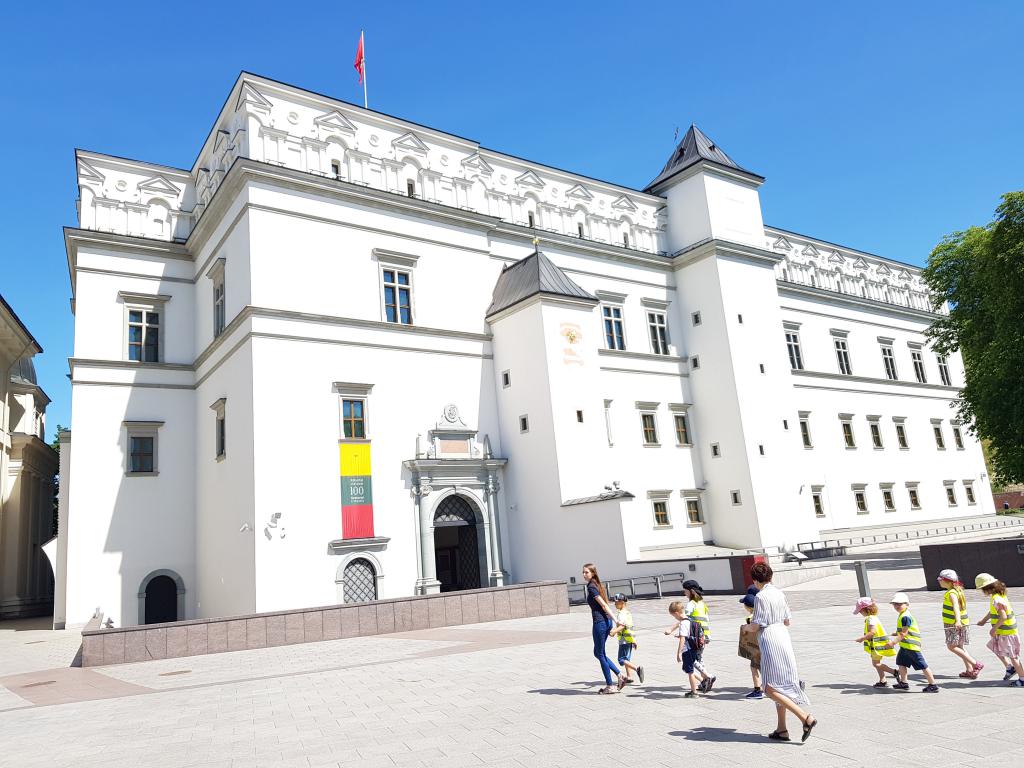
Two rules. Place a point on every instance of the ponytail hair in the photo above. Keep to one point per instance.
(595, 579)
(961, 597)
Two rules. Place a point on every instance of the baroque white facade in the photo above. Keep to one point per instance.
(348, 356)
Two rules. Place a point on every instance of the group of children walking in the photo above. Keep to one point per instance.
(905, 643)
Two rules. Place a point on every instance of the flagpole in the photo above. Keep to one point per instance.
(365, 102)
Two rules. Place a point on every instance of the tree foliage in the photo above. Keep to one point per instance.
(980, 272)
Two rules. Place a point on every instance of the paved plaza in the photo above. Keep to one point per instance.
(512, 693)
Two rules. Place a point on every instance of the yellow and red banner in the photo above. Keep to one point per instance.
(356, 491)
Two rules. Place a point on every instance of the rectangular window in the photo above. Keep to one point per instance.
(843, 356)
(353, 419)
(506, 379)
(915, 356)
(796, 358)
(969, 491)
(613, 336)
(682, 429)
(694, 516)
(805, 430)
(531, 221)
(336, 168)
(695, 318)
(876, 434)
(958, 438)
(579, 416)
(659, 333)
(901, 436)
(144, 335)
(848, 434)
(860, 499)
(625, 239)
(661, 518)
(410, 188)
(950, 494)
(819, 504)
(579, 229)
(889, 361)
(944, 371)
(735, 497)
(141, 453)
(218, 306)
(397, 296)
(221, 437)
(888, 500)
(915, 500)
(940, 441)
(524, 424)
(716, 452)
(650, 428)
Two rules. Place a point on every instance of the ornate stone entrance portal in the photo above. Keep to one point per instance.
(458, 550)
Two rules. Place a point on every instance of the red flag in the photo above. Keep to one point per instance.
(359, 58)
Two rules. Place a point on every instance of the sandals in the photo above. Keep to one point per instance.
(608, 689)
(808, 727)
(779, 736)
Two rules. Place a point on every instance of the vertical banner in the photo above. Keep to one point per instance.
(356, 491)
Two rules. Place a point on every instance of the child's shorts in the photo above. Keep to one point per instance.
(957, 637)
(625, 652)
(908, 658)
(690, 659)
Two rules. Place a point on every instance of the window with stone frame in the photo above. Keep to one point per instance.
(958, 438)
(353, 418)
(614, 336)
(796, 358)
(817, 500)
(950, 493)
(918, 361)
(805, 429)
(901, 433)
(694, 512)
(889, 362)
(969, 492)
(658, 327)
(940, 441)
(682, 424)
(144, 319)
(944, 371)
(842, 354)
(876, 433)
(846, 423)
(649, 424)
(888, 500)
(141, 447)
(661, 516)
(914, 496)
(397, 296)
(860, 499)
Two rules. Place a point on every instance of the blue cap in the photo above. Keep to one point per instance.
(748, 600)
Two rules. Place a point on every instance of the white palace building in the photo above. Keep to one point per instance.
(346, 357)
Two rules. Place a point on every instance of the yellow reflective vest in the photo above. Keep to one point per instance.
(949, 612)
(1009, 626)
(875, 645)
(700, 615)
(912, 640)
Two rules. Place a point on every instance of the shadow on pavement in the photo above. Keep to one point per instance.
(563, 692)
(705, 733)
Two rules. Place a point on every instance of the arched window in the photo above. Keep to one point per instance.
(360, 581)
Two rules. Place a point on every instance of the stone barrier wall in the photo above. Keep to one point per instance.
(309, 625)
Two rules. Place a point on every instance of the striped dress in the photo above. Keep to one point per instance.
(778, 662)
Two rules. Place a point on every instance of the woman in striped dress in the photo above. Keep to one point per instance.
(778, 662)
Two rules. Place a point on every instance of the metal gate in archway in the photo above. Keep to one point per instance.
(360, 581)
(463, 559)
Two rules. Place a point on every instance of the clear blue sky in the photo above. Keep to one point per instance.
(879, 125)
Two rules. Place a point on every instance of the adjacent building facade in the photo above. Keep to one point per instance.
(27, 469)
(345, 356)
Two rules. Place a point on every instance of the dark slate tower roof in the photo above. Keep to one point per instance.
(530, 276)
(694, 148)
(24, 372)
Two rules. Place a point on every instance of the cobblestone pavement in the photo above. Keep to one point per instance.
(514, 693)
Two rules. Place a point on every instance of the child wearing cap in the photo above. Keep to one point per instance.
(627, 641)
(747, 601)
(874, 639)
(697, 610)
(908, 636)
(955, 622)
(687, 655)
(1004, 641)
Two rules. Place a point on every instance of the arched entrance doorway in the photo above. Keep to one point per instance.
(161, 598)
(457, 552)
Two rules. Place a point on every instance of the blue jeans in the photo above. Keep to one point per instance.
(601, 630)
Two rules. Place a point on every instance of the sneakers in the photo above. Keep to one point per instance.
(930, 689)
(757, 693)
(640, 674)
(690, 695)
(709, 684)
(1010, 672)
(881, 684)
(1017, 683)
(702, 686)
(901, 686)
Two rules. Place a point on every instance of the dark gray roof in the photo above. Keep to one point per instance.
(695, 147)
(607, 496)
(24, 372)
(530, 276)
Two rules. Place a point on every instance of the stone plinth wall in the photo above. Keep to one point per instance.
(309, 625)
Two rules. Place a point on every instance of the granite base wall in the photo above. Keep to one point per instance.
(199, 637)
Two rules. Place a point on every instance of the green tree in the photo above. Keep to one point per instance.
(55, 444)
(980, 272)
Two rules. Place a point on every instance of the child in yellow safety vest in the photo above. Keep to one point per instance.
(627, 641)
(874, 639)
(697, 610)
(908, 637)
(955, 622)
(1004, 641)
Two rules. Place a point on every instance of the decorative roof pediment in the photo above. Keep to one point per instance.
(87, 173)
(860, 263)
(624, 204)
(249, 95)
(529, 179)
(782, 244)
(883, 270)
(903, 274)
(579, 192)
(810, 250)
(836, 258)
(159, 184)
(222, 138)
(478, 164)
(410, 142)
(334, 121)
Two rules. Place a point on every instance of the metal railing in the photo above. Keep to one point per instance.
(637, 586)
(882, 538)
